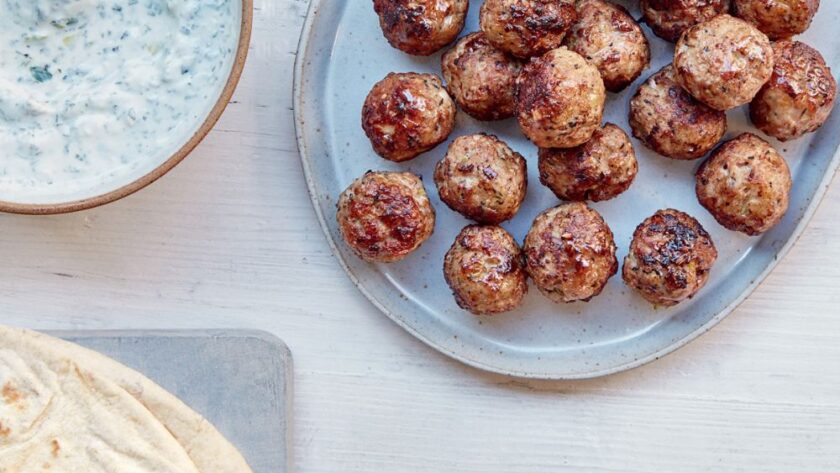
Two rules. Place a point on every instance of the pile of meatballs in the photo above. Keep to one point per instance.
(550, 64)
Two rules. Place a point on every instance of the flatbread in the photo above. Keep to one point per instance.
(209, 451)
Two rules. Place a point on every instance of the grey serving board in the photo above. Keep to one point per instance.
(241, 381)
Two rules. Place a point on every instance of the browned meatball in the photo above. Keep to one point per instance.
(482, 78)
(407, 114)
(799, 96)
(745, 185)
(673, 123)
(560, 101)
(609, 38)
(600, 169)
(384, 216)
(527, 28)
(485, 270)
(723, 62)
(570, 253)
(670, 258)
(482, 178)
(669, 18)
(421, 27)
(778, 19)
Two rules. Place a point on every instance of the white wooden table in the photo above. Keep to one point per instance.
(229, 240)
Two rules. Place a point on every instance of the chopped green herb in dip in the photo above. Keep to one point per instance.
(93, 91)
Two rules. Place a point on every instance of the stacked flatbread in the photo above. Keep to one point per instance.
(66, 409)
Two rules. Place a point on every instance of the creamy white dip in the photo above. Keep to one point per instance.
(95, 91)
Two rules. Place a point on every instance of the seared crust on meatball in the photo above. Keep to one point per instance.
(597, 170)
(560, 101)
(384, 216)
(570, 253)
(481, 78)
(485, 270)
(669, 18)
(482, 178)
(527, 28)
(745, 185)
(778, 19)
(421, 27)
(407, 114)
(673, 123)
(799, 96)
(609, 38)
(670, 258)
(723, 62)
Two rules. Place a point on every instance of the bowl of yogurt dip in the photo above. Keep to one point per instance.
(100, 99)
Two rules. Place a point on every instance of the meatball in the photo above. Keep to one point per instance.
(482, 78)
(421, 27)
(560, 101)
(570, 253)
(778, 19)
(609, 38)
(482, 178)
(527, 28)
(670, 258)
(384, 216)
(745, 185)
(485, 270)
(669, 18)
(407, 114)
(723, 62)
(673, 123)
(799, 96)
(600, 169)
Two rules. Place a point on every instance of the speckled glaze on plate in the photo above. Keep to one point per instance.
(343, 53)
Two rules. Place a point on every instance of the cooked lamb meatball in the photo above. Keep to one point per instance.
(482, 78)
(670, 258)
(609, 38)
(485, 270)
(745, 185)
(778, 19)
(560, 101)
(570, 253)
(384, 216)
(482, 178)
(421, 27)
(799, 96)
(723, 62)
(669, 18)
(407, 114)
(600, 169)
(673, 123)
(527, 28)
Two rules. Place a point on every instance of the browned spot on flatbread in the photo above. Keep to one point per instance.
(56, 448)
(10, 394)
(4, 431)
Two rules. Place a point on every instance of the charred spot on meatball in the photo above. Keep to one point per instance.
(485, 270)
(723, 62)
(482, 178)
(668, 120)
(778, 19)
(799, 96)
(384, 216)
(481, 78)
(670, 258)
(560, 101)
(611, 40)
(421, 27)
(600, 169)
(527, 28)
(407, 114)
(670, 18)
(570, 253)
(745, 185)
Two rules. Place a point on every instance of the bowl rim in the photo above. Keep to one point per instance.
(166, 166)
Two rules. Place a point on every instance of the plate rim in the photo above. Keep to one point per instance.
(299, 121)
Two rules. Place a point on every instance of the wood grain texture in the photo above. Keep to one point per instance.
(229, 239)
